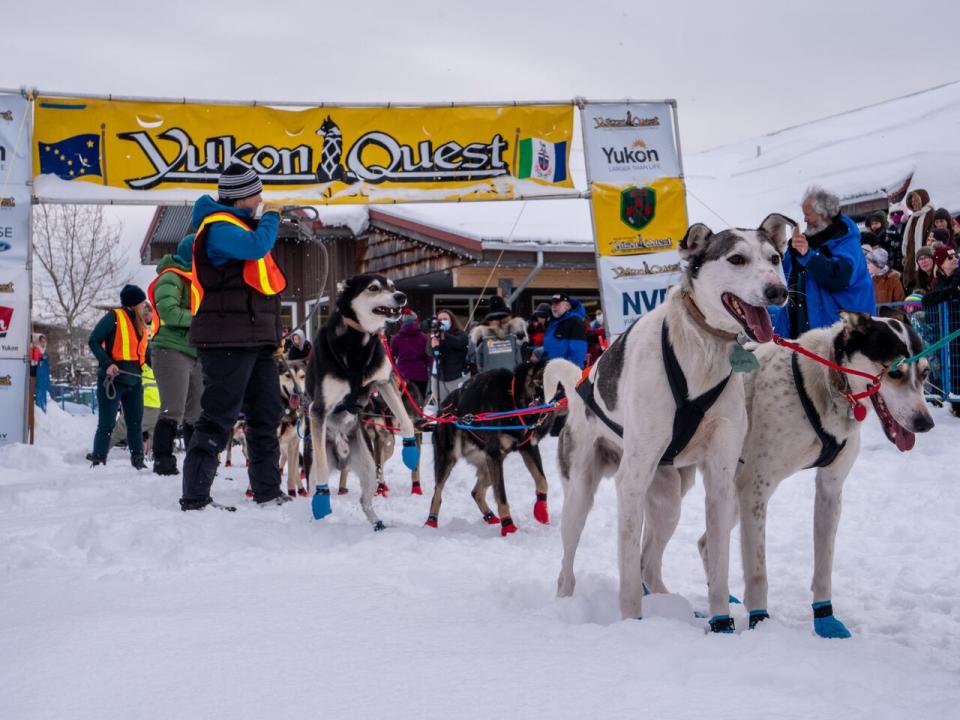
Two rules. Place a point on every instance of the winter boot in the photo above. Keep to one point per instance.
(95, 460)
(164, 463)
(137, 462)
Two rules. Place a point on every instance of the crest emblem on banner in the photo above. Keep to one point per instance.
(638, 206)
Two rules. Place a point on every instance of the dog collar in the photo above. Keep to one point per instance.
(354, 325)
(700, 319)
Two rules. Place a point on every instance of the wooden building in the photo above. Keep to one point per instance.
(434, 263)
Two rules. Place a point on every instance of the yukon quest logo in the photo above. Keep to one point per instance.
(6, 320)
(374, 157)
(638, 206)
(6, 380)
(628, 121)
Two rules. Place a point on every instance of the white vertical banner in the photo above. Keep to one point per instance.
(14, 387)
(14, 312)
(16, 176)
(637, 204)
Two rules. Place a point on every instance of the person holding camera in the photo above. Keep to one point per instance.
(448, 344)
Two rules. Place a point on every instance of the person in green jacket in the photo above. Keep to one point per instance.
(120, 343)
(178, 373)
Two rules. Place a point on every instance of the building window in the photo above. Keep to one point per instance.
(316, 319)
(289, 317)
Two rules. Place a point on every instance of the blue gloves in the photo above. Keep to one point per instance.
(411, 453)
(320, 503)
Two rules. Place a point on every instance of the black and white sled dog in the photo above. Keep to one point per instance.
(663, 396)
(347, 363)
(494, 391)
(800, 417)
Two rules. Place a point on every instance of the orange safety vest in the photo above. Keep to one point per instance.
(126, 344)
(194, 296)
(262, 275)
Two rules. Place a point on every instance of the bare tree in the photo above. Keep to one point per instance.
(79, 265)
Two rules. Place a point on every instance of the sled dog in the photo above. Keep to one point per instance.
(498, 390)
(663, 396)
(800, 417)
(347, 363)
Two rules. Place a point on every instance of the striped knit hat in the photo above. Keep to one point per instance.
(238, 182)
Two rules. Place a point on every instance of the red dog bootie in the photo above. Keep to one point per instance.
(302, 492)
(507, 527)
(415, 489)
(540, 511)
(343, 491)
(490, 518)
(382, 489)
(431, 521)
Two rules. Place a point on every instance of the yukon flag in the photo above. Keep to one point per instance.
(542, 160)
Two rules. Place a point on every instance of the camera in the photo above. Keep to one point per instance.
(434, 327)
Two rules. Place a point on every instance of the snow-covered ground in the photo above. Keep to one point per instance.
(117, 605)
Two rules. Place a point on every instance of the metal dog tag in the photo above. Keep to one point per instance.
(742, 360)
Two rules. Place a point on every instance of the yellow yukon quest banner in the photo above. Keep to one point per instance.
(636, 219)
(155, 151)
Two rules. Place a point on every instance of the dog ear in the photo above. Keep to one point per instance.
(695, 240)
(775, 226)
(854, 322)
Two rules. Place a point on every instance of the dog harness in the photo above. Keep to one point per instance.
(830, 448)
(689, 413)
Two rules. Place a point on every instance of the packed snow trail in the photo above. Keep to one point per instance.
(117, 604)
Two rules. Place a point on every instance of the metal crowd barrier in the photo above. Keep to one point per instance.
(932, 324)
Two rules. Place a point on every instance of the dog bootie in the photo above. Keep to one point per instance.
(382, 488)
(825, 624)
(431, 521)
(411, 453)
(507, 527)
(490, 518)
(320, 503)
(721, 624)
(757, 617)
(415, 489)
(540, 511)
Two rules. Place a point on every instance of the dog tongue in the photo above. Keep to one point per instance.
(758, 319)
(903, 438)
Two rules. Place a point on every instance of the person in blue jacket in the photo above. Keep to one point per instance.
(236, 331)
(566, 336)
(825, 269)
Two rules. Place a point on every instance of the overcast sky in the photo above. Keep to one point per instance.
(737, 68)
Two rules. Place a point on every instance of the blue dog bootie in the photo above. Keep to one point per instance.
(411, 453)
(320, 502)
(825, 624)
(758, 616)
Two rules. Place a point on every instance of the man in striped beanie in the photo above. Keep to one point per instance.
(236, 330)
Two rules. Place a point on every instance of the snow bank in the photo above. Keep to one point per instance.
(131, 608)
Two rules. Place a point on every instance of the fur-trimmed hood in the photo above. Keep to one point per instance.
(497, 328)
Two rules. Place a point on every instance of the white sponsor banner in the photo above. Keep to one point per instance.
(630, 143)
(634, 285)
(14, 312)
(14, 376)
(15, 154)
(14, 225)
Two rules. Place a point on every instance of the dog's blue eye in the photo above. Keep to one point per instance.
(736, 259)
